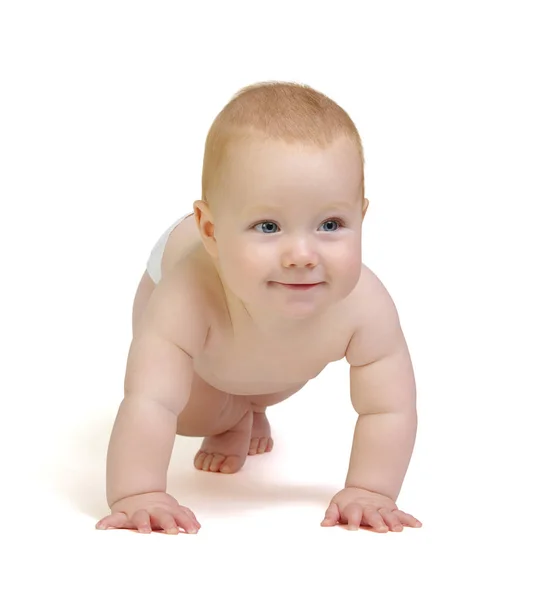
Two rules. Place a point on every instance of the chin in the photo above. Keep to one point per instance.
(300, 310)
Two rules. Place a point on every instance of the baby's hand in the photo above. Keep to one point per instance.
(145, 512)
(358, 507)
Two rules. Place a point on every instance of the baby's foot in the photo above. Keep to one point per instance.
(261, 440)
(226, 452)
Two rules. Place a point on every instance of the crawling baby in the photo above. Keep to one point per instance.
(251, 296)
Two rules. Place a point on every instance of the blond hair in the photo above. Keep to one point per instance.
(275, 110)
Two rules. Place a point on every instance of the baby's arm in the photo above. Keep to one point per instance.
(383, 393)
(157, 387)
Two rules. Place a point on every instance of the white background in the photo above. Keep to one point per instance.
(104, 111)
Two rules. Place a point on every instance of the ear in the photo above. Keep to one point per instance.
(205, 223)
(364, 207)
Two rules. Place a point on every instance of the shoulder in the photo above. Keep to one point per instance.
(179, 309)
(376, 325)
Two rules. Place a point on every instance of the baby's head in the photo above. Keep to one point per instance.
(283, 198)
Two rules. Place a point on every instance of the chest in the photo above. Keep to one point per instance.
(248, 365)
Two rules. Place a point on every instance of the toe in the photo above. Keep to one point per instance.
(260, 445)
(232, 464)
(254, 443)
(198, 459)
(207, 462)
(216, 462)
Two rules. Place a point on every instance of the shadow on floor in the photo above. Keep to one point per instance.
(79, 475)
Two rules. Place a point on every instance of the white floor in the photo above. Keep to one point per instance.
(260, 530)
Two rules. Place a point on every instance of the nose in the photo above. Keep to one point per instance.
(299, 253)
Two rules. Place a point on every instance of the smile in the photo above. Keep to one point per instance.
(298, 286)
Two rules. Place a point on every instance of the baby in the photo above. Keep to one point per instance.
(251, 296)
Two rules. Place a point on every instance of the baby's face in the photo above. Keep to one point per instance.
(291, 214)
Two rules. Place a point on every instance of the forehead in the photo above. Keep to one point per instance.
(263, 168)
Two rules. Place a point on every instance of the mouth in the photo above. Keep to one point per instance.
(298, 286)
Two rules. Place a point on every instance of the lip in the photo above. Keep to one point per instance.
(299, 286)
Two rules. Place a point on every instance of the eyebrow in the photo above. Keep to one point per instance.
(273, 207)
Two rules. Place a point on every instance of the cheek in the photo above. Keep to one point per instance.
(255, 255)
(348, 257)
(247, 258)
(350, 269)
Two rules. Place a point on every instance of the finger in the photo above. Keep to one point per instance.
(353, 514)
(332, 515)
(391, 519)
(116, 520)
(142, 521)
(190, 514)
(162, 519)
(407, 519)
(374, 519)
(188, 523)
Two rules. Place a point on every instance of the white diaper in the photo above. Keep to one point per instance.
(154, 264)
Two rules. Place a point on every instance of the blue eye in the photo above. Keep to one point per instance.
(266, 223)
(338, 222)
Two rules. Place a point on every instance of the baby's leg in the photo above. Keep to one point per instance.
(225, 421)
(226, 452)
(233, 426)
(261, 440)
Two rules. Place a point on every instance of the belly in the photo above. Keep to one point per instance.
(246, 375)
(238, 387)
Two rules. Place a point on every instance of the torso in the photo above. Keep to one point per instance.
(242, 364)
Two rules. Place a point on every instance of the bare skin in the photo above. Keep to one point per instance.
(242, 318)
(231, 416)
(234, 425)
